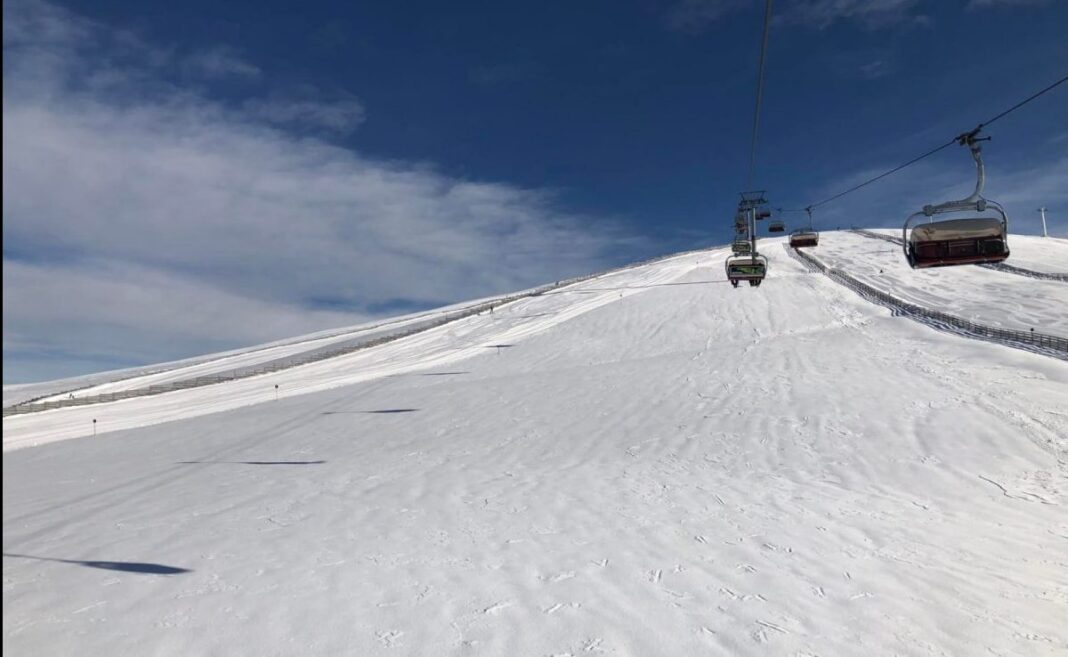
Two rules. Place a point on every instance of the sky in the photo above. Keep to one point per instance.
(182, 178)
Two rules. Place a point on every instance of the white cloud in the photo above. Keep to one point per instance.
(170, 224)
(978, 4)
(220, 62)
(875, 70)
(175, 315)
(694, 16)
(340, 116)
(871, 14)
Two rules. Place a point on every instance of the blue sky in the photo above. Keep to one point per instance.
(188, 177)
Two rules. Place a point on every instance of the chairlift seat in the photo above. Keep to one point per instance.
(741, 247)
(958, 242)
(776, 227)
(746, 269)
(801, 238)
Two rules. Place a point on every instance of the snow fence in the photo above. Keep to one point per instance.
(1043, 343)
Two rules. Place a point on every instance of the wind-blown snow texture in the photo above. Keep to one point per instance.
(652, 463)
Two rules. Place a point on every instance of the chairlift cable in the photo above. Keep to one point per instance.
(759, 94)
(955, 140)
(1024, 102)
(885, 174)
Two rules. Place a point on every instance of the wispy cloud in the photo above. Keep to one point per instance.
(220, 62)
(144, 218)
(875, 70)
(694, 16)
(341, 115)
(176, 315)
(870, 14)
(979, 4)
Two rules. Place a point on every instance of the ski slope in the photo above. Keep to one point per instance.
(189, 368)
(1039, 254)
(434, 347)
(650, 463)
(982, 295)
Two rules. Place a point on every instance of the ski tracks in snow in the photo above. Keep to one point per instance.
(697, 469)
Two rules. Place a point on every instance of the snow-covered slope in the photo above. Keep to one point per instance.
(982, 295)
(655, 464)
(1044, 254)
(135, 377)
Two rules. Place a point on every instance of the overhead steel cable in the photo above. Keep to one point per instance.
(885, 174)
(959, 139)
(759, 94)
(1023, 102)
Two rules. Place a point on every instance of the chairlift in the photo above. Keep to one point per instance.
(752, 268)
(777, 227)
(972, 240)
(741, 247)
(805, 236)
(802, 237)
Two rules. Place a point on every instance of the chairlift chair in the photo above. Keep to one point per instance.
(802, 237)
(777, 227)
(972, 240)
(741, 247)
(752, 268)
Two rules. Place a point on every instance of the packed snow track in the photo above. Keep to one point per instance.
(647, 463)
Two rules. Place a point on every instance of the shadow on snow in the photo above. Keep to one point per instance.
(377, 412)
(255, 462)
(124, 566)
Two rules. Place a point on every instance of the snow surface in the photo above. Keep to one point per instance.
(658, 464)
(1043, 254)
(1049, 254)
(188, 368)
(987, 296)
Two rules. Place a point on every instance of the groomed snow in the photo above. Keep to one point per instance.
(189, 368)
(982, 295)
(438, 346)
(658, 464)
(1039, 254)
(1042, 254)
